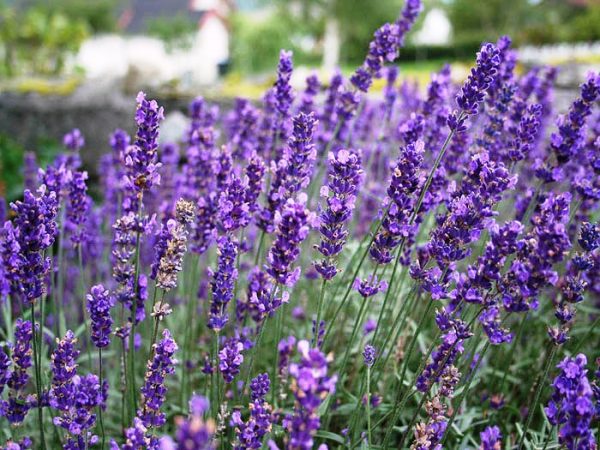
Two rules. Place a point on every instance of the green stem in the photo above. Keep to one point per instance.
(369, 406)
(131, 350)
(538, 394)
(37, 371)
(510, 353)
(466, 388)
(319, 310)
(100, 419)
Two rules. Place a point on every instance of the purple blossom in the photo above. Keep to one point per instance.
(233, 208)
(473, 90)
(250, 434)
(568, 141)
(99, 305)
(74, 140)
(141, 158)
(171, 246)
(230, 359)
(193, 432)
(292, 229)
(311, 386)
(313, 85)
(491, 438)
(343, 182)
(572, 404)
(17, 406)
(255, 172)
(35, 231)
(369, 286)
(154, 389)
(223, 283)
(396, 223)
(369, 354)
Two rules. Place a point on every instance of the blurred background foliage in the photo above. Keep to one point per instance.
(37, 35)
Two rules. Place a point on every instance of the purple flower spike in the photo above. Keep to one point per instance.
(74, 140)
(99, 304)
(154, 389)
(250, 434)
(570, 138)
(369, 354)
(35, 231)
(230, 359)
(223, 283)
(473, 90)
(571, 407)
(370, 286)
(192, 432)
(141, 158)
(344, 180)
(292, 229)
(491, 438)
(17, 407)
(311, 386)
(171, 246)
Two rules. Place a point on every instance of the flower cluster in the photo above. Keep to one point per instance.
(99, 305)
(250, 434)
(230, 359)
(571, 407)
(154, 388)
(223, 283)
(343, 183)
(311, 384)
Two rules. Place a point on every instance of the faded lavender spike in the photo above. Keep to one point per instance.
(171, 246)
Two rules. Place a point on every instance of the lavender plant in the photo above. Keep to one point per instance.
(421, 301)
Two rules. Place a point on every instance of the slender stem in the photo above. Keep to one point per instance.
(369, 406)
(278, 333)
(549, 438)
(100, 419)
(156, 323)
(538, 394)
(319, 310)
(261, 242)
(587, 335)
(84, 309)
(131, 350)
(59, 293)
(259, 339)
(37, 370)
(510, 353)
(470, 377)
(398, 326)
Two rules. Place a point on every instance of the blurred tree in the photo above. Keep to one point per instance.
(38, 39)
(176, 31)
(99, 15)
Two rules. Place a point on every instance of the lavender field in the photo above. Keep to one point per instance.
(326, 268)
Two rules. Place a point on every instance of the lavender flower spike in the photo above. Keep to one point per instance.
(154, 389)
(292, 229)
(223, 283)
(473, 90)
(141, 159)
(344, 179)
(99, 304)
